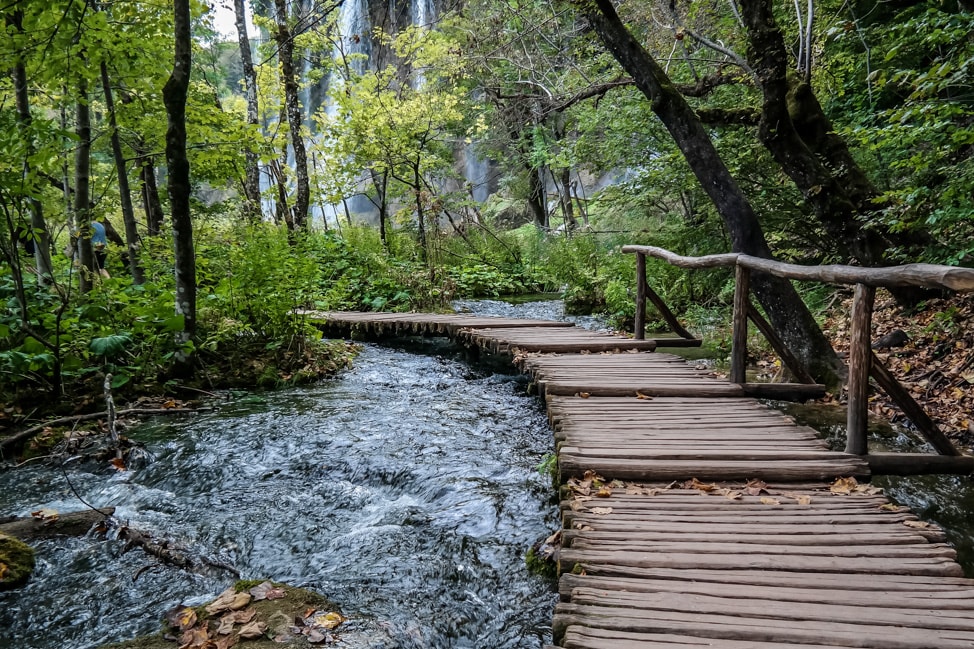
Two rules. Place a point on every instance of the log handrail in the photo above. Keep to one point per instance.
(952, 278)
(863, 364)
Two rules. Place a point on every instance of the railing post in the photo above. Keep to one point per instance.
(641, 286)
(738, 368)
(860, 360)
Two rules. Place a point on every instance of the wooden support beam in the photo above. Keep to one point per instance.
(785, 391)
(860, 358)
(738, 365)
(641, 285)
(778, 345)
(668, 316)
(913, 410)
(919, 464)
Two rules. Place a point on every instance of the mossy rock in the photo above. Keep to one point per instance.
(16, 562)
(278, 615)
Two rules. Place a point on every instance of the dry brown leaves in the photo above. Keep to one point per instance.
(232, 620)
(936, 365)
(848, 486)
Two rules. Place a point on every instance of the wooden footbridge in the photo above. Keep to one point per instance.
(695, 516)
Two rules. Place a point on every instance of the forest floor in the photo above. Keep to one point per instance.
(935, 362)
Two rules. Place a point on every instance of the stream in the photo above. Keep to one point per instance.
(405, 490)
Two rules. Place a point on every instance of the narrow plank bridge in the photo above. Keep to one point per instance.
(694, 516)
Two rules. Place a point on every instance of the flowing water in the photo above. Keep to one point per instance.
(405, 490)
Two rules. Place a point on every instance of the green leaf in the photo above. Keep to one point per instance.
(109, 346)
(118, 380)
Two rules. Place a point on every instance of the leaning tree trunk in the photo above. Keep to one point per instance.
(251, 170)
(837, 200)
(124, 192)
(38, 225)
(82, 188)
(784, 307)
(285, 54)
(174, 96)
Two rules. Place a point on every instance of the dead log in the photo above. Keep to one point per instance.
(32, 528)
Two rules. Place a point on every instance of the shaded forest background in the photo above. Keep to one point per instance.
(396, 156)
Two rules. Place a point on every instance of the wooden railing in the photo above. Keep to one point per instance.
(863, 363)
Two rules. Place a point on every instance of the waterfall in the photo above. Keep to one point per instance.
(423, 13)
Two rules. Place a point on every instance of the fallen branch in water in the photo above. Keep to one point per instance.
(16, 440)
(162, 550)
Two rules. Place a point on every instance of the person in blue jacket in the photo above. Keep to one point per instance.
(98, 244)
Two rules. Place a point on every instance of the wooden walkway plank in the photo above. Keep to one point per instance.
(655, 557)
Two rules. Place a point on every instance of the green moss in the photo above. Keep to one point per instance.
(16, 562)
(539, 565)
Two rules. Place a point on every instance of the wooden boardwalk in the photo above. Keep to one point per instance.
(695, 516)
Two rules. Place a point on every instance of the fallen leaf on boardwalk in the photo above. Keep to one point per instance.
(617, 484)
(919, 525)
(328, 620)
(803, 499)
(583, 395)
(868, 489)
(584, 528)
(46, 515)
(755, 487)
(601, 510)
(700, 486)
(253, 630)
(604, 491)
(770, 501)
(119, 464)
(890, 507)
(733, 495)
(844, 486)
(640, 395)
(266, 590)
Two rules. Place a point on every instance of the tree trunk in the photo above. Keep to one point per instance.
(567, 205)
(381, 183)
(174, 96)
(150, 195)
(125, 195)
(835, 199)
(536, 198)
(38, 225)
(251, 171)
(420, 215)
(285, 54)
(82, 188)
(785, 309)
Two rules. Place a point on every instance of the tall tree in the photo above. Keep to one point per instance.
(174, 96)
(122, 173)
(292, 106)
(82, 187)
(251, 170)
(787, 312)
(800, 137)
(38, 225)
